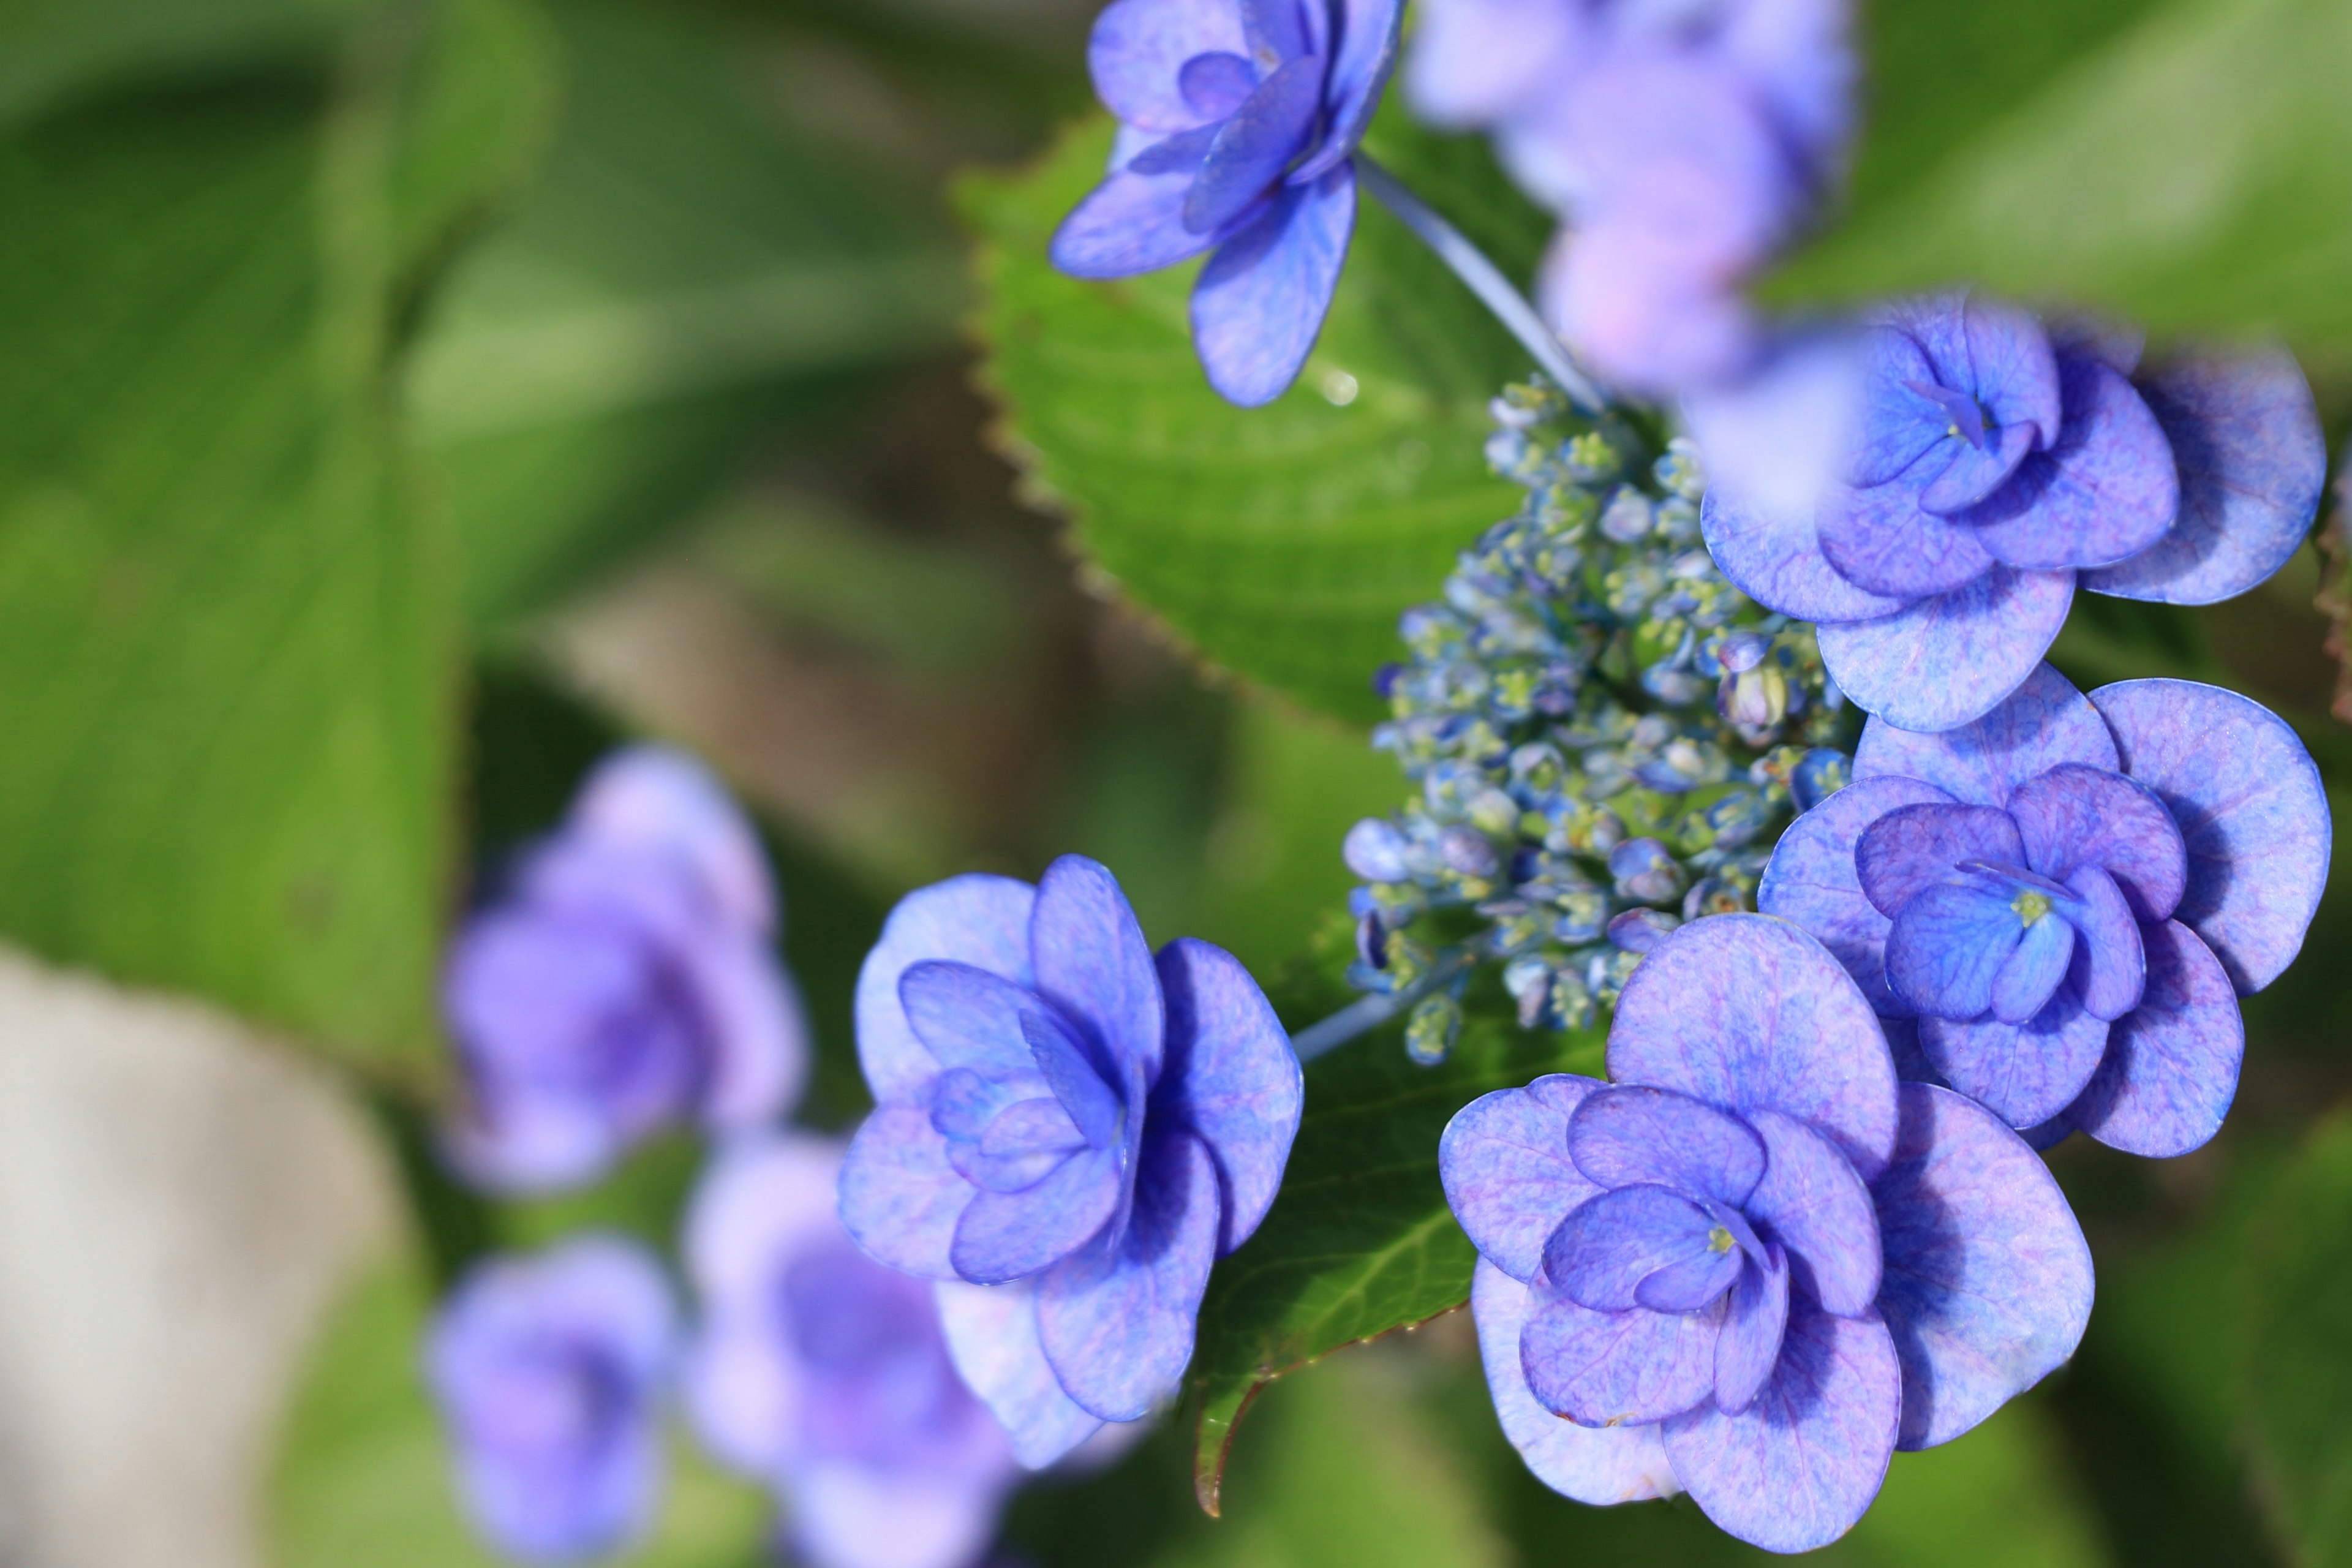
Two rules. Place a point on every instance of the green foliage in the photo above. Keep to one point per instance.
(1359, 1241)
(53, 49)
(2185, 167)
(1280, 543)
(2299, 1323)
(226, 661)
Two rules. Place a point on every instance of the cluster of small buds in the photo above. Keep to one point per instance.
(1606, 735)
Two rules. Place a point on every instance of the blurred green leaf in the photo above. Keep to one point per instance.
(2188, 172)
(1360, 1241)
(1279, 543)
(52, 49)
(226, 660)
(2297, 1335)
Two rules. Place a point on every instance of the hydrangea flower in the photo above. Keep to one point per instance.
(625, 981)
(1237, 122)
(2071, 894)
(1685, 142)
(548, 1371)
(1752, 1265)
(824, 1374)
(1067, 1133)
(1994, 463)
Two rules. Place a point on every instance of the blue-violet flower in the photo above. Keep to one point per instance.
(1066, 1134)
(1753, 1264)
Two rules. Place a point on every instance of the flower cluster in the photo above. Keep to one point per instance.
(2069, 896)
(1605, 733)
(1068, 1131)
(623, 981)
(1684, 143)
(1752, 1265)
(1991, 462)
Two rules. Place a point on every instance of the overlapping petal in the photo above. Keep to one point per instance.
(2024, 1073)
(1620, 1137)
(1133, 222)
(1813, 1204)
(1605, 1369)
(991, 1333)
(2102, 492)
(1008, 1236)
(1755, 1316)
(1812, 880)
(1913, 848)
(2171, 1065)
(2043, 723)
(901, 1197)
(1947, 661)
(978, 919)
(1592, 1465)
(1608, 1246)
(1773, 555)
(1230, 1076)
(1138, 51)
(1508, 1177)
(1260, 301)
(1363, 55)
(2076, 816)
(1091, 959)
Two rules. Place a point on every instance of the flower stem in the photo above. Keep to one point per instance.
(1485, 279)
(1369, 1013)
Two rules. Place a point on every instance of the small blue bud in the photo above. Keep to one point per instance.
(1713, 895)
(1375, 851)
(1645, 870)
(1819, 774)
(1639, 930)
(1372, 944)
(1431, 1028)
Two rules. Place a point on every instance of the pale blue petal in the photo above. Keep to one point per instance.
(1609, 1245)
(1131, 223)
(1949, 660)
(2023, 1073)
(2042, 724)
(1813, 1204)
(2023, 985)
(2075, 815)
(1603, 1369)
(1754, 1320)
(1255, 146)
(1261, 300)
(1230, 1076)
(1091, 960)
(1947, 945)
(2109, 969)
(1508, 1178)
(1591, 1465)
(978, 919)
(991, 1334)
(2104, 492)
(1915, 848)
(900, 1198)
(1137, 52)
(1773, 555)
(1620, 1137)
(2171, 1067)
(967, 1017)
(1011, 1235)
(1812, 881)
(1881, 540)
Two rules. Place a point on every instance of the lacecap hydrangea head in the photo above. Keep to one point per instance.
(1068, 1132)
(624, 980)
(2069, 896)
(1237, 122)
(549, 1372)
(1994, 462)
(823, 1374)
(1752, 1265)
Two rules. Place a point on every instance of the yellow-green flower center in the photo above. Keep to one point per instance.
(1718, 1241)
(2030, 906)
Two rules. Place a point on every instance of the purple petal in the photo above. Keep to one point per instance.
(1022, 1148)
(1797, 1467)
(1947, 661)
(2246, 438)
(1775, 438)
(991, 1334)
(1092, 961)
(1915, 848)
(1261, 300)
(1280, 30)
(2023, 1073)
(1592, 1465)
(1475, 61)
(1011, 1235)
(1131, 223)
(1214, 86)
(1609, 1245)
(1605, 1369)
(2171, 1067)
(656, 798)
(976, 919)
(1975, 471)
(900, 1199)
(1367, 53)
(1748, 1012)
(1230, 1076)
(1117, 1320)
(1690, 1283)
(1624, 1136)
(1949, 944)
(1748, 1346)
(1993, 350)
(2023, 985)
(1138, 53)
(1255, 146)
(1093, 1106)
(968, 1017)
(1988, 1278)
(1182, 154)
(2252, 814)
(2042, 724)
(1898, 426)
(1774, 556)
(850, 1513)
(1813, 1204)
(1508, 1178)
(1812, 880)
(760, 1034)
(2109, 970)
(1880, 540)
(2076, 816)
(2104, 492)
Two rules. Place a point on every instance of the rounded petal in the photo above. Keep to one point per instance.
(845, 1514)
(1508, 1178)
(900, 1199)
(1260, 301)
(2171, 1067)
(967, 1017)
(1948, 947)
(1118, 1319)
(1230, 1076)
(760, 1033)
(1750, 1014)
(978, 919)
(763, 1195)
(1774, 556)
(1475, 61)
(1987, 1284)
(2109, 967)
(1010, 1235)
(1949, 660)
(1137, 52)
(1606, 1247)
(2023, 1073)
(1365, 55)
(1797, 1467)
(2102, 492)
(1915, 848)
(2252, 812)
(1624, 1136)
(1814, 1205)
(1754, 1320)
(1592, 1465)
(1812, 881)
(2246, 438)
(656, 798)
(2042, 724)
(1881, 539)
(1131, 223)
(1616, 1369)
(991, 1334)
(1091, 961)
(1255, 146)
(2074, 815)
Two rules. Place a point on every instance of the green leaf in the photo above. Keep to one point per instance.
(52, 49)
(1280, 543)
(1360, 1240)
(2189, 173)
(2298, 1334)
(226, 660)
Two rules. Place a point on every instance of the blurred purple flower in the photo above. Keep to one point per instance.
(1685, 143)
(1066, 1134)
(2070, 895)
(1752, 1265)
(1991, 462)
(823, 1373)
(627, 981)
(1236, 120)
(548, 1370)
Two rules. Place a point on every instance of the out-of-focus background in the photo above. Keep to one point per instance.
(401, 401)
